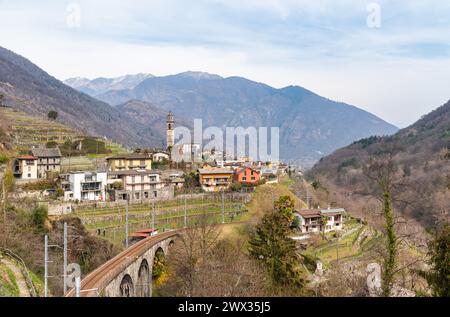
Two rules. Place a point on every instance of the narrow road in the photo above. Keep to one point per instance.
(20, 280)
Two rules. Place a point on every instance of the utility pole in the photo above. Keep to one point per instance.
(185, 212)
(46, 266)
(65, 258)
(70, 153)
(96, 156)
(223, 207)
(153, 214)
(153, 220)
(4, 200)
(337, 248)
(126, 221)
(307, 198)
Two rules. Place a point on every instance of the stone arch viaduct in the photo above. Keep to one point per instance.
(129, 273)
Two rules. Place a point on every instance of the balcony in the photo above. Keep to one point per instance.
(91, 186)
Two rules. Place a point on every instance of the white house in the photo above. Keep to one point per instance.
(321, 220)
(26, 167)
(160, 156)
(87, 186)
(138, 185)
(334, 218)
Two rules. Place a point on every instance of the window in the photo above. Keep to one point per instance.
(253, 178)
(146, 195)
(137, 195)
(244, 178)
(29, 175)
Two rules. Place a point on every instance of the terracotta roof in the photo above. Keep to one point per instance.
(138, 235)
(27, 157)
(240, 170)
(147, 230)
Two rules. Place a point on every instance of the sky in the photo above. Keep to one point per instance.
(390, 57)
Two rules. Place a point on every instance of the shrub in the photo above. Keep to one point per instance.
(52, 115)
(40, 215)
(51, 145)
(4, 159)
(39, 186)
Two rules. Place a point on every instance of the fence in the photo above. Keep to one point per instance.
(23, 269)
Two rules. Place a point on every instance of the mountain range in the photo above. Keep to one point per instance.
(311, 126)
(102, 85)
(132, 109)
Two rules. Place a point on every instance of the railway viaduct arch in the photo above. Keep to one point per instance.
(129, 274)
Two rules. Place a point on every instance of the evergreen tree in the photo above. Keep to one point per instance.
(285, 206)
(52, 115)
(439, 252)
(272, 245)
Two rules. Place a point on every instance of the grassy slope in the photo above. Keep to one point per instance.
(8, 285)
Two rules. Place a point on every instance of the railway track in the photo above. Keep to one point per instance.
(95, 280)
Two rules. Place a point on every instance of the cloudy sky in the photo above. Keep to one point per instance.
(389, 57)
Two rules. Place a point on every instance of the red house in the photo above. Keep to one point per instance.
(247, 175)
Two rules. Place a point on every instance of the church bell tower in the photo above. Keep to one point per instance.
(170, 131)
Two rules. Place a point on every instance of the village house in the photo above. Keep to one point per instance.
(26, 167)
(48, 160)
(269, 174)
(126, 162)
(173, 177)
(233, 164)
(334, 218)
(247, 175)
(320, 220)
(160, 156)
(84, 186)
(215, 179)
(138, 185)
(176, 181)
(309, 221)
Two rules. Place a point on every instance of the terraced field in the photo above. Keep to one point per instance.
(28, 130)
(355, 241)
(110, 222)
(78, 163)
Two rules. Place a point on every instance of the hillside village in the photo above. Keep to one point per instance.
(140, 176)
